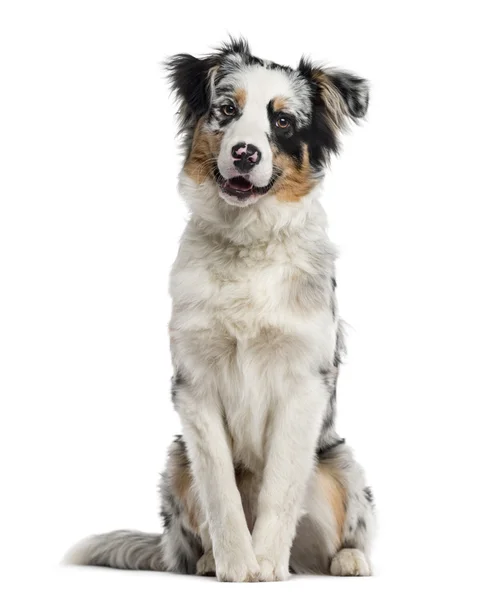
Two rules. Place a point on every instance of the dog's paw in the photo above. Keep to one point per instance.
(232, 568)
(271, 571)
(206, 564)
(350, 562)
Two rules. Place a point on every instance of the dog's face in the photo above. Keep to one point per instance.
(254, 127)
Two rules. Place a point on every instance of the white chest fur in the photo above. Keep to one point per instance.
(247, 318)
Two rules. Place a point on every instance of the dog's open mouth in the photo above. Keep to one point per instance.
(240, 187)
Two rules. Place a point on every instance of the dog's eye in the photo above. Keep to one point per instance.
(229, 110)
(282, 122)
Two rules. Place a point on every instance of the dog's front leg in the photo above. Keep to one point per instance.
(213, 473)
(291, 443)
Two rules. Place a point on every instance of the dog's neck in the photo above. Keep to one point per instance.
(269, 220)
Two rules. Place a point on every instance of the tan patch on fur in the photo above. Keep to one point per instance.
(202, 158)
(279, 103)
(296, 180)
(332, 98)
(240, 97)
(335, 494)
(182, 482)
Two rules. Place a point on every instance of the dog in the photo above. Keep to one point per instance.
(259, 484)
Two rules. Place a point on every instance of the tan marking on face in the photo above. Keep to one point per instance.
(240, 97)
(335, 495)
(279, 103)
(202, 158)
(296, 180)
(182, 484)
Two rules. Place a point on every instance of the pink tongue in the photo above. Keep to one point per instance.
(239, 183)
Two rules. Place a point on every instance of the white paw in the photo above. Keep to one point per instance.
(232, 568)
(206, 564)
(271, 571)
(350, 562)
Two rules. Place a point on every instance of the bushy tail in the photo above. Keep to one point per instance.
(120, 550)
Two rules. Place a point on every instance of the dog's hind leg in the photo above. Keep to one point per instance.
(187, 544)
(334, 534)
(177, 549)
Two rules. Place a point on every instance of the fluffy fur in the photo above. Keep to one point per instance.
(259, 483)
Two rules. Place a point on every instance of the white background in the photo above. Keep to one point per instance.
(89, 225)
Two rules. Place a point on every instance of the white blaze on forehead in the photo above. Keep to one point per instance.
(260, 86)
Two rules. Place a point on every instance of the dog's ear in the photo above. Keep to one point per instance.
(190, 79)
(338, 97)
(354, 91)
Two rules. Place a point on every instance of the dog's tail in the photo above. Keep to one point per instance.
(121, 550)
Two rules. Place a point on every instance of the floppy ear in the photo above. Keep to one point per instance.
(337, 97)
(354, 92)
(190, 80)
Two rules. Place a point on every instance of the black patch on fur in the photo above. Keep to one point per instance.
(235, 46)
(177, 381)
(173, 504)
(340, 348)
(189, 79)
(226, 120)
(186, 562)
(327, 451)
(189, 536)
(328, 421)
(166, 518)
(321, 135)
(254, 60)
(288, 140)
(353, 90)
(333, 307)
(369, 496)
(178, 439)
(361, 524)
(224, 90)
(329, 376)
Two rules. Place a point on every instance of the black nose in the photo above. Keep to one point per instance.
(246, 156)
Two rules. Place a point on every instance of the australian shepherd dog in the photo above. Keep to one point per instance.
(259, 484)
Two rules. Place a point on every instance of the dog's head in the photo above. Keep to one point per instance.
(253, 127)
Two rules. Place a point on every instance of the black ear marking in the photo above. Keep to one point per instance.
(337, 97)
(354, 90)
(351, 89)
(189, 77)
